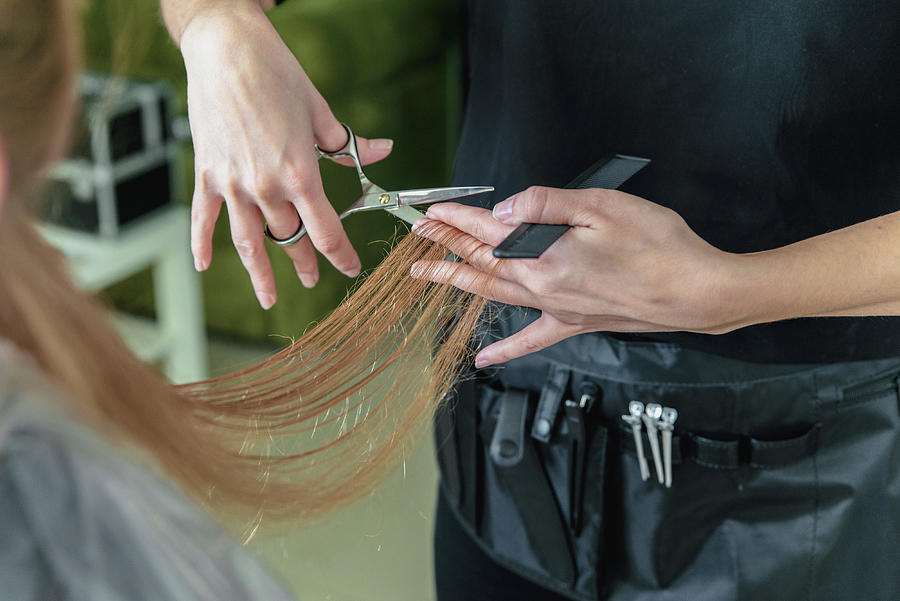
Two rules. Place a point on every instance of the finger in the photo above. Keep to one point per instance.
(370, 151)
(281, 218)
(459, 243)
(283, 222)
(247, 235)
(474, 221)
(324, 228)
(469, 279)
(548, 205)
(331, 136)
(205, 210)
(538, 335)
(306, 264)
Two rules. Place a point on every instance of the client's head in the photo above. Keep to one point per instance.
(37, 67)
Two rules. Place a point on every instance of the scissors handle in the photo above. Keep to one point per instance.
(298, 235)
(349, 150)
(293, 239)
(374, 197)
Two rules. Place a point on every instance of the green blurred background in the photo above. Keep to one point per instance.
(390, 68)
(387, 67)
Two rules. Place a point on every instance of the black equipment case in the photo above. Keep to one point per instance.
(123, 164)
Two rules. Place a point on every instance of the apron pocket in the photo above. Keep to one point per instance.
(727, 490)
(542, 510)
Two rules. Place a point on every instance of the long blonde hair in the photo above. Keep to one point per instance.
(314, 427)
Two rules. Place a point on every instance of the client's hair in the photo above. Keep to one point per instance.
(314, 427)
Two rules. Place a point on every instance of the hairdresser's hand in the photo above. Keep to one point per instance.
(627, 265)
(255, 117)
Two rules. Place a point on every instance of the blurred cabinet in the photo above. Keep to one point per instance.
(176, 339)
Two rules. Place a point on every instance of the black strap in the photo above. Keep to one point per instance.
(708, 452)
(468, 452)
(732, 453)
(776, 453)
(507, 447)
(531, 491)
(547, 532)
(448, 453)
(549, 402)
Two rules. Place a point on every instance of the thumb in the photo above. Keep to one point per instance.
(547, 205)
(371, 151)
(545, 331)
(331, 135)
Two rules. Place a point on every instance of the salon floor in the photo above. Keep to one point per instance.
(378, 549)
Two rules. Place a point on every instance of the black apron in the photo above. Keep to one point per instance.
(785, 478)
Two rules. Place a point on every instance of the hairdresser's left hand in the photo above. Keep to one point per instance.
(627, 265)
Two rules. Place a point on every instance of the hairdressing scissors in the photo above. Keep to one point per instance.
(400, 202)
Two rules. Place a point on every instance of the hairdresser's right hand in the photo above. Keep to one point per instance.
(255, 117)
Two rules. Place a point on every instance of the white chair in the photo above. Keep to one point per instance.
(160, 241)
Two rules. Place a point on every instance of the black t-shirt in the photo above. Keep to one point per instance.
(766, 122)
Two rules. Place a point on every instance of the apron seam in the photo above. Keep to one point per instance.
(676, 384)
(735, 558)
(816, 503)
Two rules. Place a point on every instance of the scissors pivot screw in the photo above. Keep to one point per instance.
(400, 202)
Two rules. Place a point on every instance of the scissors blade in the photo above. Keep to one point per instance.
(425, 195)
(406, 213)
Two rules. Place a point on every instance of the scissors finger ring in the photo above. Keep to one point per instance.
(290, 240)
(321, 152)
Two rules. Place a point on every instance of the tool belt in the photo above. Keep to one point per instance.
(600, 468)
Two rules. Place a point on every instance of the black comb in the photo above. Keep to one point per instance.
(530, 240)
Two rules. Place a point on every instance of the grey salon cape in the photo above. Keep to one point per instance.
(82, 521)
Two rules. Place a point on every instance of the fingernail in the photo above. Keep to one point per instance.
(417, 225)
(481, 361)
(265, 300)
(503, 210)
(415, 270)
(352, 272)
(308, 280)
(199, 265)
(381, 144)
